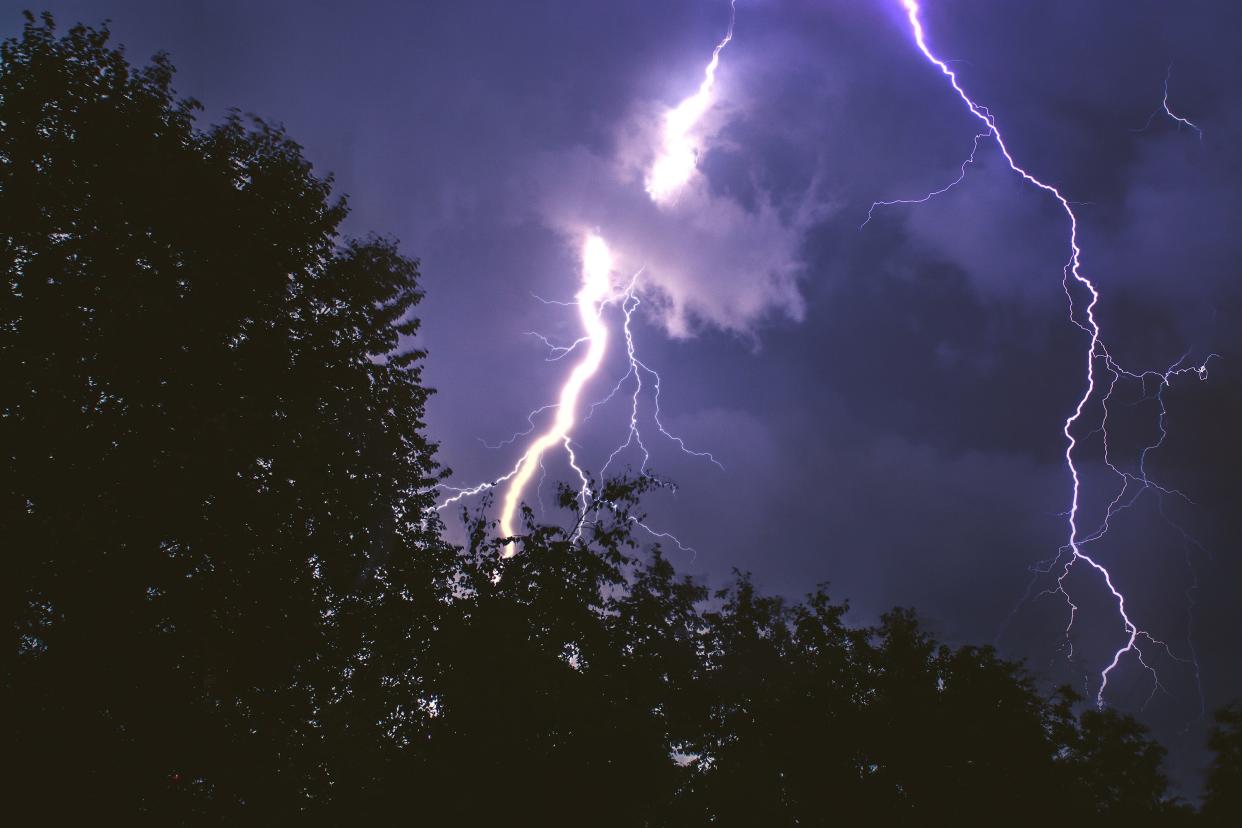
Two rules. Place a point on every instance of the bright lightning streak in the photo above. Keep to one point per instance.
(673, 167)
(597, 293)
(595, 290)
(1072, 274)
(678, 157)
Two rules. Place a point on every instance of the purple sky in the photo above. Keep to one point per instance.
(887, 401)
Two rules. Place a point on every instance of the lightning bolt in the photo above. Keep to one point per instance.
(596, 294)
(674, 165)
(637, 369)
(596, 289)
(1072, 554)
(678, 156)
(1173, 116)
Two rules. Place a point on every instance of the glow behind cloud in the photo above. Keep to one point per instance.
(679, 152)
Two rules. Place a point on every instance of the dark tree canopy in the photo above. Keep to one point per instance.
(1223, 804)
(215, 470)
(229, 598)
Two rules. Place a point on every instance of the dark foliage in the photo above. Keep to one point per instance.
(216, 477)
(229, 600)
(1223, 804)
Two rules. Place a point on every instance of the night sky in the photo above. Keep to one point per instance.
(887, 402)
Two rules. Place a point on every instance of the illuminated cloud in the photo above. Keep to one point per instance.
(709, 259)
(677, 159)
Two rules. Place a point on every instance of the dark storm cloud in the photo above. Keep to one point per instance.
(887, 401)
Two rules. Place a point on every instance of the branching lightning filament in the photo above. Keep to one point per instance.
(1098, 362)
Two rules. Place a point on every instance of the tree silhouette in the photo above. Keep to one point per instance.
(1223, 802)
(230, 599)
(217, 475)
